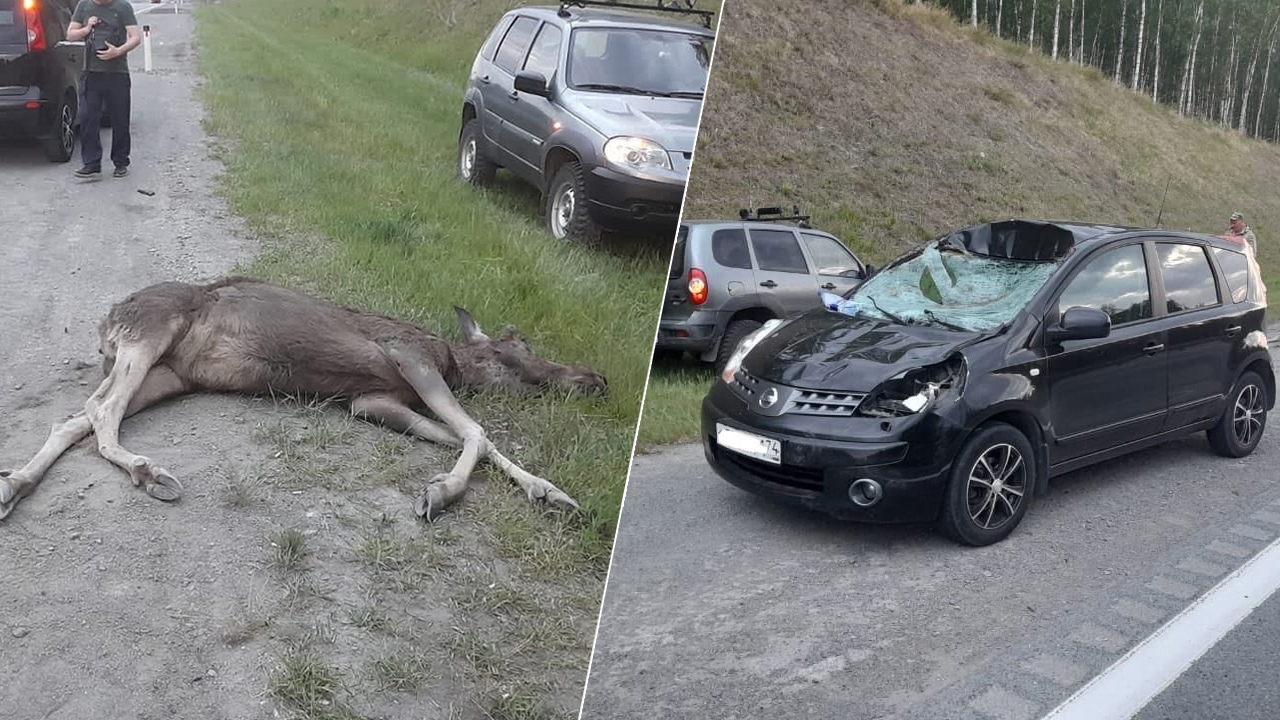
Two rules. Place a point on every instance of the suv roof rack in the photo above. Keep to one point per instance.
(775, 214)
(681, 7)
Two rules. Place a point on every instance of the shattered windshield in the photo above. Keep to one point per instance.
(952, 289)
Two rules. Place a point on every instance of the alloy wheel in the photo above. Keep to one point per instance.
(1246, 420)
(68, 128)
(997, 482)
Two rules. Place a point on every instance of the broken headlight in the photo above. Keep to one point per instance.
(914, 390)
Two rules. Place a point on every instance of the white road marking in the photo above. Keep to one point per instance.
(1123, 689)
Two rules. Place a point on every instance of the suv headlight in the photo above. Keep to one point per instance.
(636, 153)
(914, 390)
(744, 346)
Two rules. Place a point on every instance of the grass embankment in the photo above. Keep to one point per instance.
(891, 124)
(337, 121)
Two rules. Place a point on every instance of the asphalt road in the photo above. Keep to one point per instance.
(722, 605)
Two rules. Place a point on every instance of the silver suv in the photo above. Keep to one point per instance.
(728, 278)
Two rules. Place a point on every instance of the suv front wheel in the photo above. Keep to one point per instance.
(473, 167)
(567, 216)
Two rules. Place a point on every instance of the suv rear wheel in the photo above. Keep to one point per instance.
(733, 334)
(567, 216)
(62, 142)
(473, 167)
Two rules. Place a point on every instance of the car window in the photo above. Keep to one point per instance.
(778, 251)
(545, 54)
(1189, 283)
(13, 26)
(828, 254)
(729, 248)
(1236, 267)
(491, 43)
(639, 61)
(1114, 282)
(677, 254)
(512, 50)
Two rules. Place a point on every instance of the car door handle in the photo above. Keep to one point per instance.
(1231, 331)
(1153, 348)
(515, 95)
(829, 286)
(484, 80)
(769, 284)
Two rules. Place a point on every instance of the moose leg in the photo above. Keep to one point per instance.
(161, 383)
(106, 409)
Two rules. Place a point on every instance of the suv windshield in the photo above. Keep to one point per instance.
(638, 61)
(954, 289)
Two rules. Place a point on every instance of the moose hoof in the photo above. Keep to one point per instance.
(545, 492)
(8, 495)
(163, 486)
(442, 491)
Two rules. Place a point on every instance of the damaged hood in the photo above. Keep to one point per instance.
(828, 351)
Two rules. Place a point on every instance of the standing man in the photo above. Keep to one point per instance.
(1239, 229)
(110, 29)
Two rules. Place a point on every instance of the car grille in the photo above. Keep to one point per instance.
(805, 402)
(802, 478)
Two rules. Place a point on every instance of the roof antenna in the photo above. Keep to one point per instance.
(1166, 195)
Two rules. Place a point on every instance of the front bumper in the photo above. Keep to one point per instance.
(912, 464)
(698, 332)
(619, 201)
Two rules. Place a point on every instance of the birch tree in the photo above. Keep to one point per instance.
(1137, 60)
(1057, 23)
(1155, 66)
(1187, 94)
(1124, 6)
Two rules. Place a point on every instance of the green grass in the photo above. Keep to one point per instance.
(337, 121)
(671, 408)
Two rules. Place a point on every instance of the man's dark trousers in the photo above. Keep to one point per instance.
(112, 91)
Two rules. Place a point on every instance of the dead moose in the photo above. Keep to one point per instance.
(240, 335)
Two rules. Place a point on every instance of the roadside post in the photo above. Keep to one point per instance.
(146, 48)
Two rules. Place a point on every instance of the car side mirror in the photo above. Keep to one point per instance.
(868, 271)
(533, 83)
(1081, 323)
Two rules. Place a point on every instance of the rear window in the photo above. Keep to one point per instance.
(13, 27)
(677, 254)
(1236, 267)
(729, 248)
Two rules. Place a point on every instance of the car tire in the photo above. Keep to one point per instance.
(1243, 419)
(474, 168)
(566, 206)
(733, 334)
(970, 496)
(60, 146)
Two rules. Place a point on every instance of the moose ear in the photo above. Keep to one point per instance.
(508, 333)
(470, 330)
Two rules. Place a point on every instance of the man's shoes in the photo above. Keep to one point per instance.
(89, 173)
(120, 171)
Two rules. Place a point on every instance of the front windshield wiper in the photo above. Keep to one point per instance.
(886, 313)
(938, 321)
(696, 94)
(617, 88)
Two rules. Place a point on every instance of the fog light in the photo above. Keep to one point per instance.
(865, 492)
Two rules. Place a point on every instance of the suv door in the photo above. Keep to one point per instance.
(1110, 391)
(783, 278)
(529, 120)
(497, 86)
(839, 271)
(1200, 344)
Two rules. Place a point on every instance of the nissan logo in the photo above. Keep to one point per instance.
(768, 399)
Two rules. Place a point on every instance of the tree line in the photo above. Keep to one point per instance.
(1214, 60)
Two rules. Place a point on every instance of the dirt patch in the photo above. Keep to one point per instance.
(293, 578)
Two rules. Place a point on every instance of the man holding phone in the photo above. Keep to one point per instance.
(110, 30)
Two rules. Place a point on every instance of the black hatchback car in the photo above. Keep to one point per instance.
(596, 107)
(952, 384)
(39, 74)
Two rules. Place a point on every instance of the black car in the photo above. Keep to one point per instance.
(39, 74)
(955, 382)
(595, 107)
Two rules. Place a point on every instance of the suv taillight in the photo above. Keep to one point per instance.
(697, 286)
(35, 28)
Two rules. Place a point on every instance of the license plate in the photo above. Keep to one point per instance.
(749, 444)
